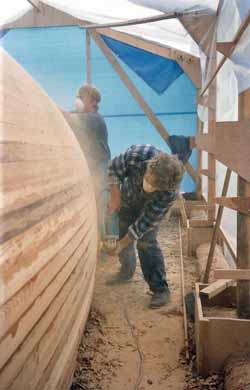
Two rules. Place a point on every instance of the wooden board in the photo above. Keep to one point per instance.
(216, 288)
(217, 338)
(236, 274)
(48, 239)
(198, 236)
(230, 145)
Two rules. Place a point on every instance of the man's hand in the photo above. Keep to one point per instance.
(115, 199)
(122, 244)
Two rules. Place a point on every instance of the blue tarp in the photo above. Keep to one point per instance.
(158, 72)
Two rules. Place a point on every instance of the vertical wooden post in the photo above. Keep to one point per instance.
(199, 156)
(88, 57)
(216, 228)
(211, 159)
(243, 226)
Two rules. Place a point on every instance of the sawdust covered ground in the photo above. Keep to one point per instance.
(127, 346)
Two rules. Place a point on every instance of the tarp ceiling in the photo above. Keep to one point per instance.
(13, 10)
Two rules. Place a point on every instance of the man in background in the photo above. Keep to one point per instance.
(91, 132)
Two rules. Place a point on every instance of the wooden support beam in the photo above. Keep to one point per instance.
(182, 279)
(240, 204)
(216, 228)
(199, 155)
(151, 46)
(35, 4)
(216, 288)
(230, 145)
(88, 57)
(228, 244)
(235, 274)
(206, 172)
(199, 223)
(243, 221)
(136, 94)
(225, 48)
(211, 158)
(189, 63)
(243, 253)
(132, 22)
(180, 203)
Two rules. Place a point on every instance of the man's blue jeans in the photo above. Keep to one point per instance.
(149, 252)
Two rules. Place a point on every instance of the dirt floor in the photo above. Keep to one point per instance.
(127, 346)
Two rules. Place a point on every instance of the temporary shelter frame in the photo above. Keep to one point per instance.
(227, 142)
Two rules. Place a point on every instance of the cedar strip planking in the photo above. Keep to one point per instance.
(46, 330)
(17, 333)
(33, 192)
(19, 174)
(16, 222)
(23, 256)
(40, 350)
(16, 306)
(20, 151)
(66, 354)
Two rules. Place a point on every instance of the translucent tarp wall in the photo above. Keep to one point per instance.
(55, 58)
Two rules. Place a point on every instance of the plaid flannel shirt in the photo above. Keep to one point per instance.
(128, 169)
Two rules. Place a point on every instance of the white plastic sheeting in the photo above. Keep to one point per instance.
(12, 10)
(170, 33)
(232, 14)
(167, 32)
(180, 5)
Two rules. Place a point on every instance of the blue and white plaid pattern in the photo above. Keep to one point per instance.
(128, 169)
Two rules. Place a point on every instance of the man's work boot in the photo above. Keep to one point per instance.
(118, 278)
(160, 299)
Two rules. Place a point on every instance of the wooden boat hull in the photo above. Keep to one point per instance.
(48, 238)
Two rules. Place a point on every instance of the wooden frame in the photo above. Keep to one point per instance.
(230, 145)
(36, 4)
(235, 274)
(217, 337)
(240, 203)
(132, 22)
(88, 58)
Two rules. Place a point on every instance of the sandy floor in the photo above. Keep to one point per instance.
(126, 345)
(135, 347)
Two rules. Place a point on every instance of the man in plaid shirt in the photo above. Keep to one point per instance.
(145, 184)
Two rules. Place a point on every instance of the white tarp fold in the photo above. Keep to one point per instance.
(13, 10)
